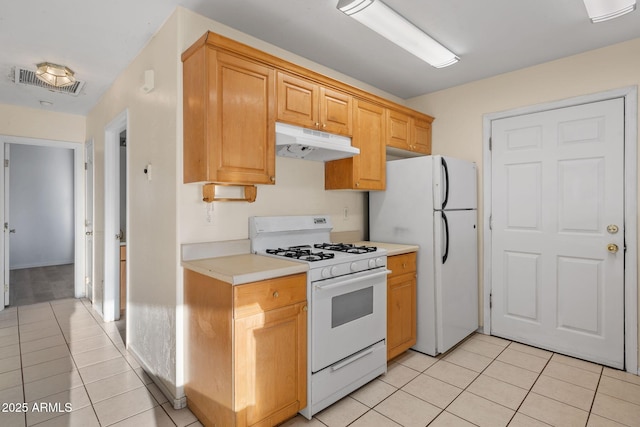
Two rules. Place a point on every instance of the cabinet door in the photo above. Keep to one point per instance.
(336, 111)
(242, 121)
(398, 130)
(365, 171)
(297, 101)
(369, 135)
(401, 314)
(271, 365)
(421, 136)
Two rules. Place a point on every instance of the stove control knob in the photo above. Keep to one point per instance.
(380, 262)
(372, 263)
(354, 266)
(334, 271)
(326, 273)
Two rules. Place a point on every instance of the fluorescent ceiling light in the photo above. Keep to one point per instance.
(389, 24)
(55, 75)
(603, 10)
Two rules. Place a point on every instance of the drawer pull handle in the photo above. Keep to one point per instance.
(276, 294)
(404, 265)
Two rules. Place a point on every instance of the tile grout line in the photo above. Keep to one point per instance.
(24, 396)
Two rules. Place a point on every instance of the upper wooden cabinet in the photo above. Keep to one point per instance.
(365, 171)
(409, 132)
(305, 103)
(229, 118)
(233, 95)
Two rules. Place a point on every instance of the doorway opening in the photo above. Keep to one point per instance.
(42, 214)
(116, 217)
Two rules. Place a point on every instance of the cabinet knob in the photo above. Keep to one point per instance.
(358, 184)
(317, 124)
(276, 294)
(324, 125)
(272, 178)
(404, 265)
(304, 308)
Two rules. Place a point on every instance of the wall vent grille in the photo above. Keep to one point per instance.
(24, 76)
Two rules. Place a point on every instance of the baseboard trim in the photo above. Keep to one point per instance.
(178, 400)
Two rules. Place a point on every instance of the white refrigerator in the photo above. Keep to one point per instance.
(431, 201)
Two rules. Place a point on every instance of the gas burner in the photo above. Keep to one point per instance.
(303, 253)
(345, 247)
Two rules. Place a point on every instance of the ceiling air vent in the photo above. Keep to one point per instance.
(24, 76)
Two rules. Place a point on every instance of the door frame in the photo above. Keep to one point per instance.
(78, 203)
(630, 96)
(111, 297)
(90, 254)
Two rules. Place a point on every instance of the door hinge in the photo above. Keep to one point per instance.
(6, 163)
(490, 222)
(490, 143)
(490, 300)
(6, 287)
(86, 166)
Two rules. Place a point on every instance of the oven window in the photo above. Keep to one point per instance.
(346, 308)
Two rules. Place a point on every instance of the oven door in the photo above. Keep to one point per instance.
(348, 313)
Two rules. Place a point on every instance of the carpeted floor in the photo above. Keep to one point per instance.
(40, 284)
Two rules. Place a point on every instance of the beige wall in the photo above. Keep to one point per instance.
(41, 124)
(152, 251)
(300, 184)
(457, 130)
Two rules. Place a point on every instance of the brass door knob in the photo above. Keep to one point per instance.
(612, 247)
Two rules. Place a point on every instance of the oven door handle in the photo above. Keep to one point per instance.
(351, 281)
(351, 360)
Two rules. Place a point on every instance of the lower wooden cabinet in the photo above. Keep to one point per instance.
(401, 304)
(246, 350)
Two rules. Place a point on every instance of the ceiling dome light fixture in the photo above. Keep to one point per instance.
(389, 24)
(603, 10)
(55, 75)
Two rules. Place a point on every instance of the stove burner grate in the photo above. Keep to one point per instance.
(345, 247)
(303, 253)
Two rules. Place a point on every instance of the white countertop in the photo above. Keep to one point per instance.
(391, 248)
(245, 268)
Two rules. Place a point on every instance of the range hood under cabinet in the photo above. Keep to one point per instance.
(308, 144)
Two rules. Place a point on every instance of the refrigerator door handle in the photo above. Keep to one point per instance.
(446, 237)
(446, 182)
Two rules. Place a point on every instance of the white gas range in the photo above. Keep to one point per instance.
(347, 293)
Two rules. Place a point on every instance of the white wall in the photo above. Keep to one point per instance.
(458, 112)
(41, 208)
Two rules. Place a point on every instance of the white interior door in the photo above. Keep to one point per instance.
(558, 230)
(7, 228)
(88, 222)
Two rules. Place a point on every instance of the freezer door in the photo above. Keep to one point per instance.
(456, 276)
(454, 183)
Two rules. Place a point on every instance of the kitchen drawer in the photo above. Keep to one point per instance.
(401, 264)
(266, 295)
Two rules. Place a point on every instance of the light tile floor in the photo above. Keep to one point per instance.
(60, 352)
(488, 381)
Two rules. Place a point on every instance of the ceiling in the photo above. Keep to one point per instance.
(98, 39)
